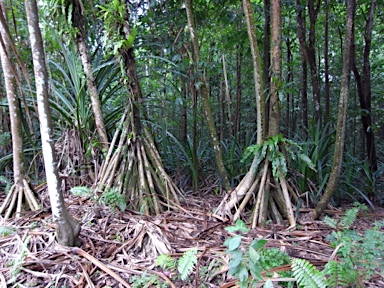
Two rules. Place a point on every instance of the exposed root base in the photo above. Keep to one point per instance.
(13, 203)
(269, 197)
(134, 167)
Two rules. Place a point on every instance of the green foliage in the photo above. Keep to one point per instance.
(360, 183)
(345, 221)
(5, 231)
(186, 263)
(254, 260)
(339, 274)
(278, 150)
(313, 164)
(115, 17)
(165, 262)
(360, 255)
(113, 198)
(5, 138)
(307, 275)
(82, 191)
(146, 281)
(7, 182)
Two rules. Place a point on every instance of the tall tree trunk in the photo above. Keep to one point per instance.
(238, 96)
(20, 192)
(309, 50)
(133, 165)
(343, 105)
(269, 189)
(289, 82)
(267, 60)
(326, 63)
(67, 227)
(257, 71)
(276, 66)
(206, 103)
(363, 82)
(13, 103)
(79, 23)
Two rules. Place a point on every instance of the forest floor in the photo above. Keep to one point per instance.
(119, 249)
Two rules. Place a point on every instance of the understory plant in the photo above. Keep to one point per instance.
(185, 265)
(111, 197)
(359, 256)
(247, 265)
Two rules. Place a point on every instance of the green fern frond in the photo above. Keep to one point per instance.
(306, 274)
(349, 217)
(330, 222)
(81, 191)
(165, 262)
(339, 274)
(187, 263)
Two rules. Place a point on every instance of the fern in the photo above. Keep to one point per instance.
(306, 274)
(166, 262)
(349, 217)
(81, 191)
(339, 274)
(330, 222)
(186, 263)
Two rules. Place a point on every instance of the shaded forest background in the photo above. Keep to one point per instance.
(174, 83)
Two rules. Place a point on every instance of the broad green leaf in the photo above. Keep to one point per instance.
(258, 244)
(236, 259)
(253, 254)
(233, 242)
(243, 274)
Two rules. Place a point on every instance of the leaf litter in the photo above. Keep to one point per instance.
(119, 246)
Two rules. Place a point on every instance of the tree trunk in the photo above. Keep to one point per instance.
(206, 103)
(309, 51)
(13, 103)
(238, 96)
(267, 60)
(257, 72)
(20, 192)
(363, 83)
(79, 23)
(257, 186)
(67, 227)
(341, 120)
(276, 67)
(326, 64)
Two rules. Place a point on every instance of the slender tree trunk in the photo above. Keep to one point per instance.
(363, 83)
(228, 99)
(79, 23)
(267, 60)
(289, 82)
(326, 64)
(343, 105)
(238, 96)
(206, 103)
(13, 103)
(257, 71)
(276, 67)
(67, 227)
(308, 50)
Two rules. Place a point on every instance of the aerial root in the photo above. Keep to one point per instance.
(14, 200)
